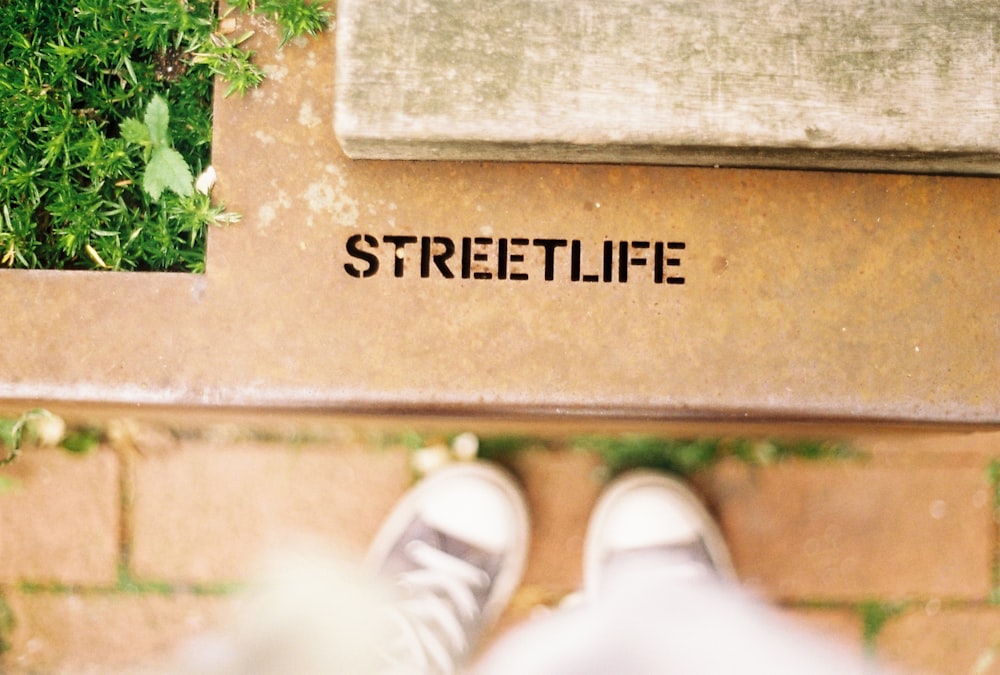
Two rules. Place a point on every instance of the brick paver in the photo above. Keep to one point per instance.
(843, 626)
(561, 489)
(206, 513)
(59, 520)
(98, 633)
(933, 639)
(909, 526)
(847, 531)
(970, 450)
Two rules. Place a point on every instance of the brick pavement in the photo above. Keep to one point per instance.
(111, 559)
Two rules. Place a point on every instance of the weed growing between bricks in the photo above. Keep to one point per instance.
(41, 427)
(874, 616)
(129, 585)
(6, 625)
(687, 456)
(993, 471)
(625, 452)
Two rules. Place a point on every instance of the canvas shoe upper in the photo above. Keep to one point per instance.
(646, 520)
(454, 549)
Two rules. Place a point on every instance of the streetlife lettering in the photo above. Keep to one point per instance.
(514, 259)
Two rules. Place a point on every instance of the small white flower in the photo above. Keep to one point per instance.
(465, 446)
(205, 181)
(425, 460)
(49, 429)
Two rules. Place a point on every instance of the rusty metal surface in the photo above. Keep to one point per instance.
(806, 295)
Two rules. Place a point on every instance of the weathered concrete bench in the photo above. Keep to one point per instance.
(843, 84)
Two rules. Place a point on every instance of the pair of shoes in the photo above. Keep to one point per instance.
(456, 546)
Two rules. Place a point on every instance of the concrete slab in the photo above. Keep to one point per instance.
(539, 290)
(852, 84)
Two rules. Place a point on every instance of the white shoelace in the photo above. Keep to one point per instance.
(439, 599)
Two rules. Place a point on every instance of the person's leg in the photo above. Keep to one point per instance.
(660, 597)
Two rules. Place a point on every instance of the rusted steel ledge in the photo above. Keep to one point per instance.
(807, 296)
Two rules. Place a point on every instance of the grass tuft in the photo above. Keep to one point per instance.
(874, 616)
(7, 625)
(497, 448)
(687, 456)
(993, 474)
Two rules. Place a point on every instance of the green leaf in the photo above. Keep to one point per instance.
(8, 431)
(167, 170)
(157, 119)
(134, 131)
(8, 484)
(81, 440)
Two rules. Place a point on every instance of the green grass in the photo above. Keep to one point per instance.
(72, 72)
(130, 585)
(40, 427)
(619, 453)
(874, 616)
(687, 456)
(7, 624)
(127, 585)
(993, 474)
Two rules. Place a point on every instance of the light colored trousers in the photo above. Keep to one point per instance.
(645, 624)
(313, 616)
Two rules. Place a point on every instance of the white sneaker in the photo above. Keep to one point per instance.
(455, 547)
(645, 520)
